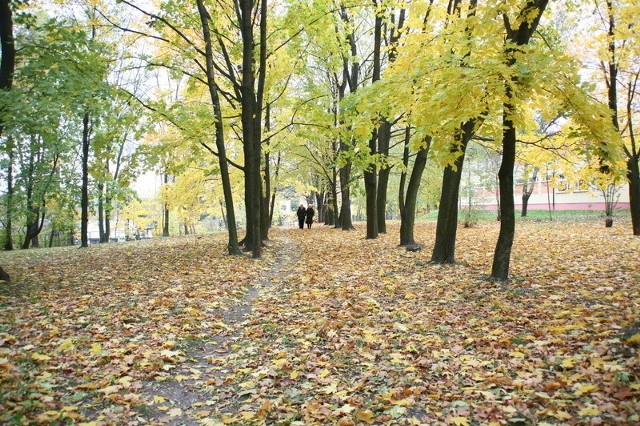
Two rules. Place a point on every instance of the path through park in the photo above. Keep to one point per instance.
(197, 386)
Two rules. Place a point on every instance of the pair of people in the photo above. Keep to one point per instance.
(305, 216)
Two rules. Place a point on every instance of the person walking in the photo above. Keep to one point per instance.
(301, 213)
(310, 213)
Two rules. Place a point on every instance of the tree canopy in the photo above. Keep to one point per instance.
(334, 102)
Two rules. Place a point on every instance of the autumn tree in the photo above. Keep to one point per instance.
(518, 33)
(7, 67)
(620, 71)
(388, 25)
(446, 229)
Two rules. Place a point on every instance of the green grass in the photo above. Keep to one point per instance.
(538, 215)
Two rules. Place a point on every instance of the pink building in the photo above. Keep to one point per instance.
(545, 197)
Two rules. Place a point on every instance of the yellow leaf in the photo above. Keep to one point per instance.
(280, 362)
(202, 414)
(368, 336)
(96, 348)
(66, 346)
(460, 421)
(586, 389)
(110, 389)
(634, 340)
(397, 358)
(39, 357)
(48, 416)
(193, 311)
(346, 409)
(157, 399)
(125, 380)
(332, 388)
(220, 324)
(562, 415)
(227, 419)
(589, 410)
(365, 416)
(247, 415)
(569, 363)
(294, 375)
(247, 385)
(516, 354)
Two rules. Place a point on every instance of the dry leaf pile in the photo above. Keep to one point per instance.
(343, 331)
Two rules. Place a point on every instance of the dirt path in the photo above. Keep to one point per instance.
(193, 392)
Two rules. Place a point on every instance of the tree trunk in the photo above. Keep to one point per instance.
(224, 215)
(384, 140)
(525, 204)
(107, 217)
(272, 204)
(371, 172)
(31, 207)
(444, 248)
(100, 188)
(165, 210)
(7, 68)
(106, 199)
(321, 206)
(250, 136)
(527, 189)
(331, 214)
(633, 175)
(446, 229)
(230, 218)
(345, 198)
(8, 48)
(84, 198)
(403, 179)
(408, 215)
(8, 243)
(502, 254)
(528, 20)
(370, 187)
(266, 188)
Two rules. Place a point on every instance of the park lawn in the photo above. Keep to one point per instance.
(344, 330)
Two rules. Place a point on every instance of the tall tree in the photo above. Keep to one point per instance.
(350, 79)
(446, 228)
(394, 28)
(620, 69)
(517, 35)
(219, 131)
(7, 68)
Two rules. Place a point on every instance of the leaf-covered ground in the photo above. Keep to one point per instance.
(328, 328)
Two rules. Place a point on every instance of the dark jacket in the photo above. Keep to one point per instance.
(310, 213)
